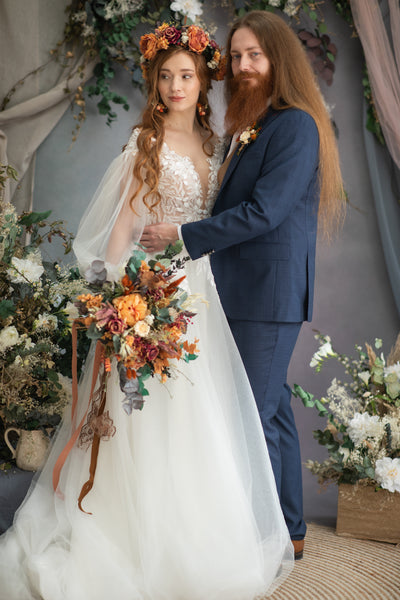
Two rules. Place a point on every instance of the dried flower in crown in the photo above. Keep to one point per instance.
(192, 38)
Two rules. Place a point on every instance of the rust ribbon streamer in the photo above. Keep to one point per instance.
(98, 359)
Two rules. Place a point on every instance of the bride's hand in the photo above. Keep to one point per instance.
(156, 237)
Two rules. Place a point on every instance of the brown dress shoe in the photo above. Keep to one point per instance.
(298, 546)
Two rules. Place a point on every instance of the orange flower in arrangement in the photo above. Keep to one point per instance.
(131, 308)
(148, 46)
(127, 283)
(160, 364)
(90, 300)
(198, 39)
(191, 348)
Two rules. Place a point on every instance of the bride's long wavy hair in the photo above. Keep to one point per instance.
(151, 137)
(294, 85)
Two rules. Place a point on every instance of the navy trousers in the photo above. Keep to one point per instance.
(266, 349)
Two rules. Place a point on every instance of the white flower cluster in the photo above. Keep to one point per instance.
(187, 8)
(291, 7)
(323, 351)
(26, 270)
(387, 473)
(391, 375)
(342, 405)
(9, 336)
(45, 322)
(364, 426)
(118, 8)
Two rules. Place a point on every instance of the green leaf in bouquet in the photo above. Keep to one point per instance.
(164, 316)
(34, 217)
(93, 333)
(177, 302)
(171, 250)
(308, 400)
(134, 263)
(7, 308)
(189, 357)
(116, 343)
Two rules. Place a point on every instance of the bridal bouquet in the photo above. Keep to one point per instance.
(362, 433)
(141, 320)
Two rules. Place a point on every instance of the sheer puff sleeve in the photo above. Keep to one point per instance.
(111, 225)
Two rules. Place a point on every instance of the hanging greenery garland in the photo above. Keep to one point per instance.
(108, 33)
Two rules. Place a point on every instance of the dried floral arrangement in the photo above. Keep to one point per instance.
(35, 329)
(362, 432)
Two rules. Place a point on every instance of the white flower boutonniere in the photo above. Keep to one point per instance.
(248, 135)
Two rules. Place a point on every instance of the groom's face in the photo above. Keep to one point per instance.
(251, 84)
(247, 56)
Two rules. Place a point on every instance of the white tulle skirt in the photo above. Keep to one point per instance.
(184, 505)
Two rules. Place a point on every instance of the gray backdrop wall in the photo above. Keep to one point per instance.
(353, 298)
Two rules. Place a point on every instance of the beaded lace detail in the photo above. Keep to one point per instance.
(180, 186)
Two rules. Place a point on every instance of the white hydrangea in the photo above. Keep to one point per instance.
(387, 473)
(187, 8)
(26, 270)
(9, 337)
(363, 426)
(274, 3)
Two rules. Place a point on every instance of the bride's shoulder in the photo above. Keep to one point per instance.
(131, 145)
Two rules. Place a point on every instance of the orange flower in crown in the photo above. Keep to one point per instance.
(198, 39)
(192, 38)
(148, 46)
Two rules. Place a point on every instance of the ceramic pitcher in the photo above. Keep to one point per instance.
(31, 448)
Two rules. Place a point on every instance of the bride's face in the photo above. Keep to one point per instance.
(178, 83)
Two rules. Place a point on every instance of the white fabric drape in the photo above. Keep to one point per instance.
(383, 64)
(27, 33)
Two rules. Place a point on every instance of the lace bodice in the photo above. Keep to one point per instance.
(180, 187)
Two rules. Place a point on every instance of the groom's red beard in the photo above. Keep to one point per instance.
(248, 101)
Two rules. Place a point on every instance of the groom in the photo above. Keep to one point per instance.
(262, 232)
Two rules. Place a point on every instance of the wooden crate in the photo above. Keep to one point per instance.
(366, 513)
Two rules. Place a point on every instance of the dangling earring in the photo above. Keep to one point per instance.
(202, 109)
(161, 107)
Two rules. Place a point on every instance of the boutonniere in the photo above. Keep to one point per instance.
(248, 135)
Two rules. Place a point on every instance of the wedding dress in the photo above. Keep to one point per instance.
(184, 504)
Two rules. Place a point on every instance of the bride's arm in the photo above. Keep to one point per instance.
(122, 235)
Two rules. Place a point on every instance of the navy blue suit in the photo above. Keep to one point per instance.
(262, 237)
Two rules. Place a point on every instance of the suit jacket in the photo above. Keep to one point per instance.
(262, 232)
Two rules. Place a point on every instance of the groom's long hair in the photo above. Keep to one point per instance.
(294, 85)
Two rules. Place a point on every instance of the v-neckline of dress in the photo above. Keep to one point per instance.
(205, 194)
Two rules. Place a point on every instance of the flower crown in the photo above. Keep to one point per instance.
(192, 38)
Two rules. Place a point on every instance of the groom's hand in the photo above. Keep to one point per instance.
(156, 237)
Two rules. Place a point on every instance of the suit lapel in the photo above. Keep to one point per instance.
(271, 114)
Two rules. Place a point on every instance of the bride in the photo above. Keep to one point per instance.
(184, 505)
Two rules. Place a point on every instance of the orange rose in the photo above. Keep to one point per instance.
(162, 28)
(131, 308)
(198, 39)
(148, 46)
(162, 43)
